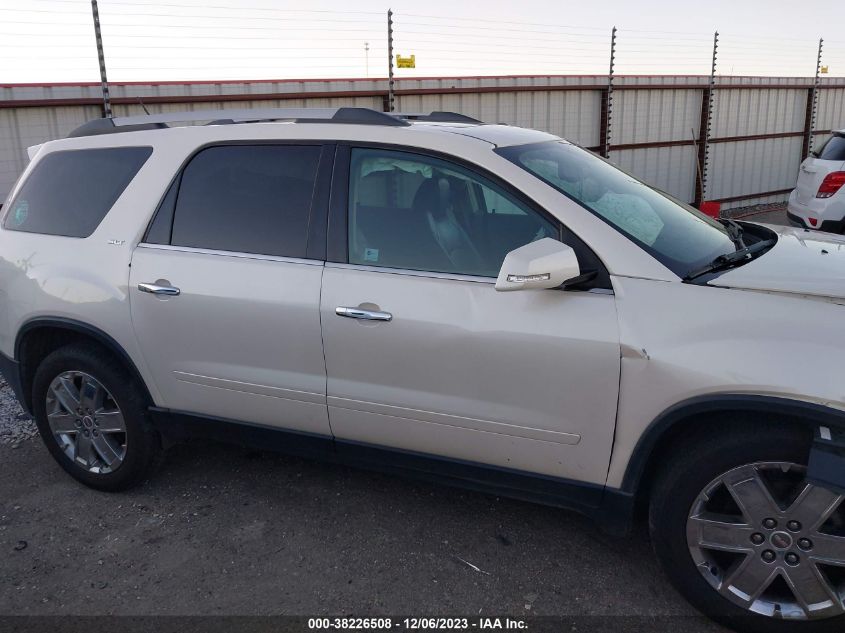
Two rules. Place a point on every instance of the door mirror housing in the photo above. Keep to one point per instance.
(545, 263)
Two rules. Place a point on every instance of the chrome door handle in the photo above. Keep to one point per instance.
(358, 313)
(155, 289)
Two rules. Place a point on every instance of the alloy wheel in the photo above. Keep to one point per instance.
(771, 542)
(86, 422)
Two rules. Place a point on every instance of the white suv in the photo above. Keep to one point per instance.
(818, 202)
(328, 282)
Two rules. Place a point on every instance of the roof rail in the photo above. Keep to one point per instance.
(437, 116)
(363, 116)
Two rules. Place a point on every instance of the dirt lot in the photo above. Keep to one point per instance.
(220, 530)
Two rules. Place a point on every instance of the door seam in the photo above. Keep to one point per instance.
(323, 346)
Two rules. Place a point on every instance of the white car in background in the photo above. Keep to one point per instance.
(817, 202)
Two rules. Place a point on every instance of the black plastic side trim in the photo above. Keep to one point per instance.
(337, 240)
(11, 371)
(612, 509)
(176, 426)
(75, 326)
(318, 216)
(809, 413)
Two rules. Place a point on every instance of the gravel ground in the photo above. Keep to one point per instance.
(221, 530)
(15, 425)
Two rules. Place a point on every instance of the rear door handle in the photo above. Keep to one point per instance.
(358, 313)
(155, 289)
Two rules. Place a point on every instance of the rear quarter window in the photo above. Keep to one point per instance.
(834, 149)
(70, 192)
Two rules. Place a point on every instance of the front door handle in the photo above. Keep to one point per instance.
(358, 313)
(155, 289)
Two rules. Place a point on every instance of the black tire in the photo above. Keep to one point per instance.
(143, 444)
(695, 463)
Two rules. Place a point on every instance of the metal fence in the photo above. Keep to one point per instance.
(746, 108)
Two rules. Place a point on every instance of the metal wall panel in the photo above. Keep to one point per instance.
(671, 169)
(830, 114)
(643, 116)
(766, 111)
(747, 167)
(571, 114)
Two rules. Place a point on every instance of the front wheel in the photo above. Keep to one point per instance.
(92, 416)
(745, 538)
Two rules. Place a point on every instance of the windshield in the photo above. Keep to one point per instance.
(680, 237)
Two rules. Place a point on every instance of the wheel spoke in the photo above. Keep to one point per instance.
(111, 421)
(751, 493)
(61, 422)
(83, 452)
(828, 549)
(811, 589)
(90, 393)
(66, 393)
(719, 535)
(814, 505)
(751, 578)
(108, 450)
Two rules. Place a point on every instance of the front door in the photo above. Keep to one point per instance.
(443, 364)
(224, 298)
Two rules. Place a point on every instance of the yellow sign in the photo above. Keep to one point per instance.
(823, 70)
(406, 62)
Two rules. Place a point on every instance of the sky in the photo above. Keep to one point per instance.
(169, 40)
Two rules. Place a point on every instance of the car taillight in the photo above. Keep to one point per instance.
(831, 184)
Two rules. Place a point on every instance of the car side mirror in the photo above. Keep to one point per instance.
(545, 263)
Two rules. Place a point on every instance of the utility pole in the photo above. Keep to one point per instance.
(367, 57)
(102, 58)
(608, 100)
(390, 95)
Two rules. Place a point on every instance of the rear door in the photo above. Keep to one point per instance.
(831, 158)
(225, 289)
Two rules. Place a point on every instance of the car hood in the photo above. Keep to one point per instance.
(802, 262)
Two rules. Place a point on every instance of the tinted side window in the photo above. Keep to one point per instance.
(249, 199)
(69, 193)
(834, 149)
(421, 213)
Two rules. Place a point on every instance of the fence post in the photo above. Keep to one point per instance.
(390, 94)
(812, 107)
(102, 59)
(607, 101)
(705, 128)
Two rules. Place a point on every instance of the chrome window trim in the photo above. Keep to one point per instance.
(209, 251)
(413, 273)
(450, 276)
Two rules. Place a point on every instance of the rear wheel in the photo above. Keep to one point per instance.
(746, 538)
(92, 416)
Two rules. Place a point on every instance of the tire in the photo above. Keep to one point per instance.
(106, 426)
(729, 461)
